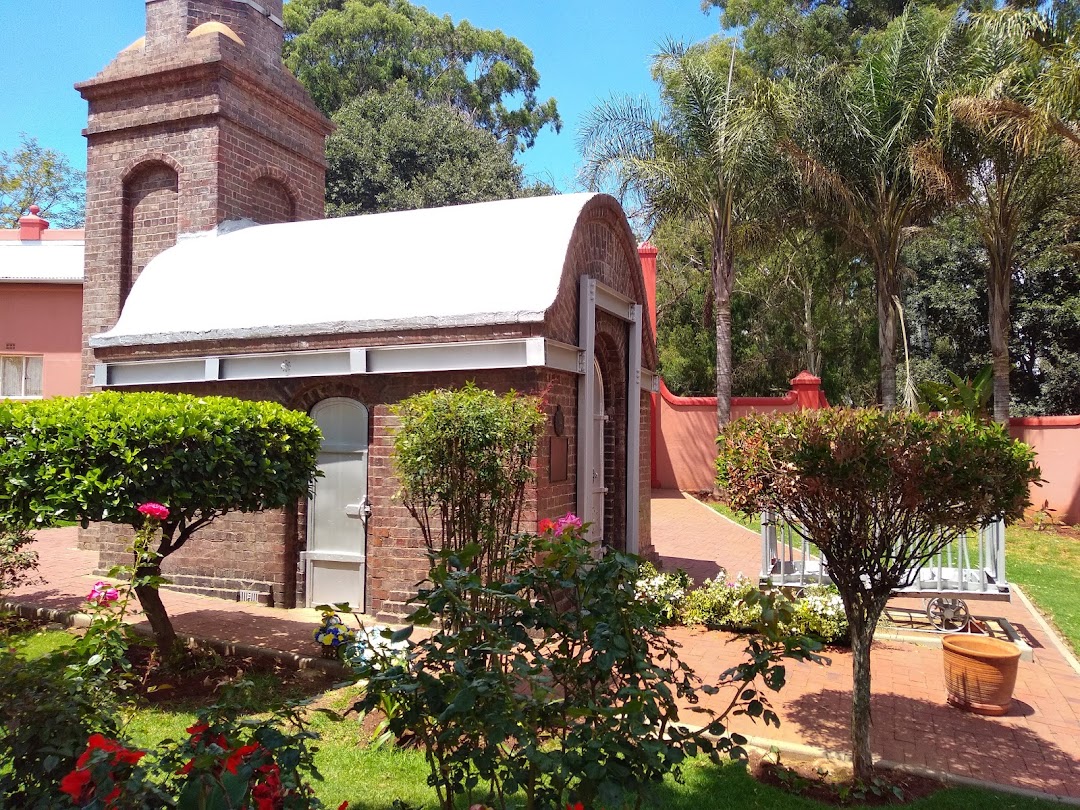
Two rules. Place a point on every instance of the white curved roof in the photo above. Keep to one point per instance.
(487, 263)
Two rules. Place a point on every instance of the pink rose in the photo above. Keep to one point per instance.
(102, 592)
(567, 521)
(154, 510)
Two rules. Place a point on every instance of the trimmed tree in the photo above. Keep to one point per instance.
(879, 494)
(97, 458)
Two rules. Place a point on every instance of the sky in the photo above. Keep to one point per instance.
(585, 51)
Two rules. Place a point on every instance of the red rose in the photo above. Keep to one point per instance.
(154, 510)
(76, 785)
(238, 756)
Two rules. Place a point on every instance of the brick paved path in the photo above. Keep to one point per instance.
(1037, 745)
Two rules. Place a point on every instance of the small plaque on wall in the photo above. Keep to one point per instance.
(560, 446)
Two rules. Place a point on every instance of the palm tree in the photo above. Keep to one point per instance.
(705, 157)
(860, 137)
(1021, 107)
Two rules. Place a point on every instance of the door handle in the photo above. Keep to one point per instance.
(358, 510)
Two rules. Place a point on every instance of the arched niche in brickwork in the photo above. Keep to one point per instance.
(150, 216)
(270, 199)
(611, 358)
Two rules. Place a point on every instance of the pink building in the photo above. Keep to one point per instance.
(41, 277)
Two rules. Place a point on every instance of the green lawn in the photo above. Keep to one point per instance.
(371, 779)
(1047, 566)
(752, 523)
(1044, 563)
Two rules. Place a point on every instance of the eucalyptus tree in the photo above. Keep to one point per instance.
(861, 144)
(1022, 107)
(342, 49)
(707, 156)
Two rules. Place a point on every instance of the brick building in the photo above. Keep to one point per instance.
(41, 275)
(198, 133)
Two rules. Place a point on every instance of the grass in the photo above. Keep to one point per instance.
(752, 522)
(1047, 566)
(371, 779)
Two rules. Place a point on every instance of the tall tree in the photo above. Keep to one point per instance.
(946, 303)
(341, 49)
(707, 156)
(1021, 107)
(859, 136)
(34, 175)
(782, 36)
(392, 152)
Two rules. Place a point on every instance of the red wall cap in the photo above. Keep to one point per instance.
(31, 225)
(1044, 421)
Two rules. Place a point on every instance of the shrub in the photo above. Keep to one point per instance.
(224, 762)
(464, 459)
(663, 593)
(544, 673)
(46, 715)
(817, 612)
(879, 493)
(51, 705)
(17, 562)
(562, 686)
(96, 458)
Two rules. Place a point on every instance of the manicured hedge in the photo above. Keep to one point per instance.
(98, 457)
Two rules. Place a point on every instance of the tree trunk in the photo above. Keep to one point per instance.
(154, 609)
(999, 288)
(813, 352)
(723, 277)
(886, 338)
(861, 758)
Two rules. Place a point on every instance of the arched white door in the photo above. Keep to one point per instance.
(336, 556)
(597, 490)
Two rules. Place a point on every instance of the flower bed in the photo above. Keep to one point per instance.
(723, 605)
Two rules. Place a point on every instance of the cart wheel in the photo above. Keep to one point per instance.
(948, 615)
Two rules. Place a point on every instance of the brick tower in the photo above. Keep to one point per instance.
(193, 125)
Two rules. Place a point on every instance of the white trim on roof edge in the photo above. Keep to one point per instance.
(420, 357)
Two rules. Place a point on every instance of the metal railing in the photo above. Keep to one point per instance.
(966, 565)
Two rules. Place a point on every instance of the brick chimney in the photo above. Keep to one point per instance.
(31, 225)
(257, 23)
(198, 125)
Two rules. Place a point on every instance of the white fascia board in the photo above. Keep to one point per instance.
(462, 356)
(564, 357)
(614, 302)
(650, 380)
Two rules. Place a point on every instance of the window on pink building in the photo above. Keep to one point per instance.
(20, 377)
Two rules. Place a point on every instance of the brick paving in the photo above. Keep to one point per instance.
(1035, 746)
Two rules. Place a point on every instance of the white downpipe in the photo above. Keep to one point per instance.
(587, 345)
(633, 432)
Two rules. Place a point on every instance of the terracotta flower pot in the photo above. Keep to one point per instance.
(980, 673)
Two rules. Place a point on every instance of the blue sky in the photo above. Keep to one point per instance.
(585, 50)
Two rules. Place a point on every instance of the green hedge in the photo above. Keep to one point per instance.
(98, 457)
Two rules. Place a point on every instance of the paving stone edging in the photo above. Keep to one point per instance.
(74, 618)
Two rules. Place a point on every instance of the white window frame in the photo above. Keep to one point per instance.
(22, 388)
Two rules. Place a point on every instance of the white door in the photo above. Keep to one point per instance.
(597, 490)
(336, 553)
